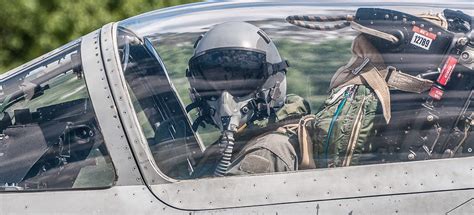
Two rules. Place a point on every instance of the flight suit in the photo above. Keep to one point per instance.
(275, 148)
(272, 152)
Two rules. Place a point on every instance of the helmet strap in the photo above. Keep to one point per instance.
(273, 68)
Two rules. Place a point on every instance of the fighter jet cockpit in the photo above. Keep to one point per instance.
(251, 95)
(283, 107)
(247, 95)
(49, 135)
(248, 107)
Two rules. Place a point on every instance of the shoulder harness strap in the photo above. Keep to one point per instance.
(306, 145)
(382, 80)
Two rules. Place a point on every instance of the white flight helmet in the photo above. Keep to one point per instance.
(236, 75)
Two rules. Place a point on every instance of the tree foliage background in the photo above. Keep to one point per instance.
(31, 28)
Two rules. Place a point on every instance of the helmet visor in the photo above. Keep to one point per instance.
(240, 72)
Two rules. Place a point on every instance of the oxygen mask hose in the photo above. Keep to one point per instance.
(228, 142)
(228, 116)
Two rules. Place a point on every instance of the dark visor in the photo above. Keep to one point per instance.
(238, 71)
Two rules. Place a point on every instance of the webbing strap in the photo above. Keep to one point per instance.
(374, 80)
(354, 135)
(380, 87)
(405, 82)
(304, 140)
(381, 80)
(306, 146)
(386, 36)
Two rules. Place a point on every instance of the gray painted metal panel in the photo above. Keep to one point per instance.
(135, 199)
(107, 116)
(420, 203)
(138, 200)
(127, 114)
(466, 207)
(320, 184)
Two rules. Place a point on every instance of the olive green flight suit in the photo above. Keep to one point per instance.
(275, 149)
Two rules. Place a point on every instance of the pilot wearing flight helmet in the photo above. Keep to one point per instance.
(238, 80)
(238, 84)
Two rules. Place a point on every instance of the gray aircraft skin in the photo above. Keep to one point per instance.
(129, 176)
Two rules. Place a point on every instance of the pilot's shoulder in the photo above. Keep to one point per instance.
(294, 106)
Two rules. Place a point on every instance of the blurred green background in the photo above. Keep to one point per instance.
(31, 28)
(34, 27)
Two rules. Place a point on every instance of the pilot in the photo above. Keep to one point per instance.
(238, 84)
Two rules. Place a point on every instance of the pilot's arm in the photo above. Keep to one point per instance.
(271, 152)
(277, 149)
